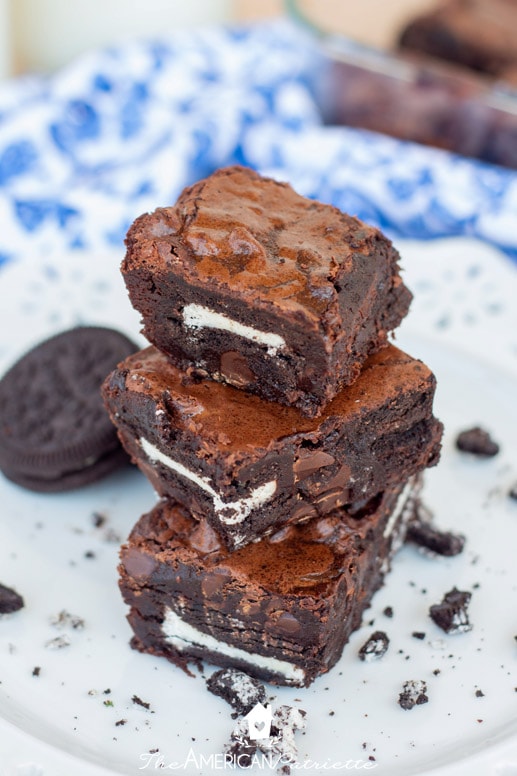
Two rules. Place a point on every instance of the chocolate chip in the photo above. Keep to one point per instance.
(478, 442)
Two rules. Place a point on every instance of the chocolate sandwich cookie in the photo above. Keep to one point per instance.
(54, 431)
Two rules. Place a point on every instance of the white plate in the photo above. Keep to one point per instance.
(464, 325)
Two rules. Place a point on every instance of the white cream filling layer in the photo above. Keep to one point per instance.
(229, 513)
(195, 316)
(399, 507)
(182, 636)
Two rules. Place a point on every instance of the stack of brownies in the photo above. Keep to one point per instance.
(283, 433)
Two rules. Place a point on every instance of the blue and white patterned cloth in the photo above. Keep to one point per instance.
(123, 130)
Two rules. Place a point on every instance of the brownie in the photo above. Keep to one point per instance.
(248, 466)
(280, 609)
(436, 104)
(480, 34)
(251, 284)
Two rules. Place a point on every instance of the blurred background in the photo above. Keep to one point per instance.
(43, 35)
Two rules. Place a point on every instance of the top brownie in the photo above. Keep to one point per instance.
(480, 34)
(249, 283)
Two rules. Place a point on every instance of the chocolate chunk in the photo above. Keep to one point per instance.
(375, 647)
(10, 601)
(414, 693)
(478, 442)
(54, 431)
(513, 491)
(238, 689)
(451, 614)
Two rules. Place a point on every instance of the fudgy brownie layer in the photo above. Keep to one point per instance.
(479, 34)
(281, 608)
(256, 286)
(248, 466)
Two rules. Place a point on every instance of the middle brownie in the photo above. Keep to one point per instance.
(248, 465)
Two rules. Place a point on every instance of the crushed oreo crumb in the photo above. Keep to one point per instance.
(430, 538)
(388, 611)
(478, 442)
(10, 600)
(414, 693)
(280, 743)
(99, 519)
(139, 702)
(36, 670)
(418, 635)
(120, 722)
(112, 537)
(240, 752)
(451, 614)
(480, 694)
(60, 642)
(238, 689)
(376, 646)
(513, 491)
(66, 620)
(89, 554)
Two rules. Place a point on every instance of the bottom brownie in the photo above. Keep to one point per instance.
(281, 609)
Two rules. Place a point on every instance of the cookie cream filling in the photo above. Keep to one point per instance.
(181, 635)
(404, 502)
(229, 512)
(195, 316)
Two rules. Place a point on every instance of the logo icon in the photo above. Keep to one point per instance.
(259, 721)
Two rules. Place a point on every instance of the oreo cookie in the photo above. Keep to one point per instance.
(55, 433)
